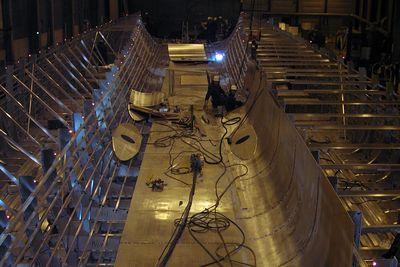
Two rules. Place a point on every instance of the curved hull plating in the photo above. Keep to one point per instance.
(287, 207)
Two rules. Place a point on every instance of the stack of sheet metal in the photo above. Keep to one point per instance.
(187, 52)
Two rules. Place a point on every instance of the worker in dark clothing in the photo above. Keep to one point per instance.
(212, 28)
(231, 102)
(215, 92)
(206, 27)
(317, 37)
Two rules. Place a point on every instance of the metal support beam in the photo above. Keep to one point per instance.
(349, 40)
(356, 216)
(344, 146)
(27, 186)
(372, 167)
(369, 193)
(394, 228)
(48, 156)
(4, 247)
(68, 19)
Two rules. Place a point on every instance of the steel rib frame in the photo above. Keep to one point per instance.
(88, 182)
(36, 80)
(92, 139)
(346, 114)
(71, 140)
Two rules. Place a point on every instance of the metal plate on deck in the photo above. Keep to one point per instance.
(198, 80)
(141, 99)
(244, 143)
(134, 115)
(126, 140)
(187, 52)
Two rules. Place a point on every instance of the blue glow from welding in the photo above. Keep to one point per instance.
(219, 57)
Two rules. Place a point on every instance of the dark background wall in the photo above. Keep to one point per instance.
(26, 26)
(30, 25)
(166, 16)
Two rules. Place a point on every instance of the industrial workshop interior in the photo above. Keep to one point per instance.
(200, 133)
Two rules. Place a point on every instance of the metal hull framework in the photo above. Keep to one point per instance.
(351, 126)
(64, 194)
(289, 209)
(270, 187)
(68, 204)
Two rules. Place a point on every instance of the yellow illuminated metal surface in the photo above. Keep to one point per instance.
(141, 99)
(134, 115)
(282, 26)
(286, 202)
(187, 52)
(198, 80)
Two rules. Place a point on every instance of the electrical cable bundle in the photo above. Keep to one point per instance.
(179, 228)
(209, 220)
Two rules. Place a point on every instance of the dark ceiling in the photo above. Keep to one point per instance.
(166, 16)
